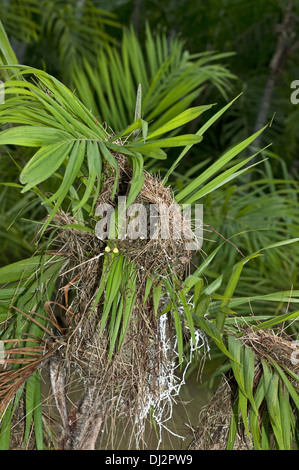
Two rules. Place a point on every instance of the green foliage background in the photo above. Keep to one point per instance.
(184, 54)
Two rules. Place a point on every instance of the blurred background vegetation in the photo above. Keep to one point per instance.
(183, 53)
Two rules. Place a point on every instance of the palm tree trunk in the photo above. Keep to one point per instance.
(276, 66)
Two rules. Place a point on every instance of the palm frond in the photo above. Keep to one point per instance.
(169, 76)
(19, 19)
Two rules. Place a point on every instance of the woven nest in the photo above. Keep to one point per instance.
(167, 250)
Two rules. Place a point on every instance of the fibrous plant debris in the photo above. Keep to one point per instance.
(136, 376)
(103, 327)
(212, 432)
(276, 346)
(214, 422)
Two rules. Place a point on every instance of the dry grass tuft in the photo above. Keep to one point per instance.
(268, 344)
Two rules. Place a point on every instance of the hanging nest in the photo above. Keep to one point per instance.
(212, 431)
(165, 250)
(140, 377)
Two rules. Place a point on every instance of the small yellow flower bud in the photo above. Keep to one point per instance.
(115, 250)
(107, 249)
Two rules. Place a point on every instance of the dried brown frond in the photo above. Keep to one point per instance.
(12, 379)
